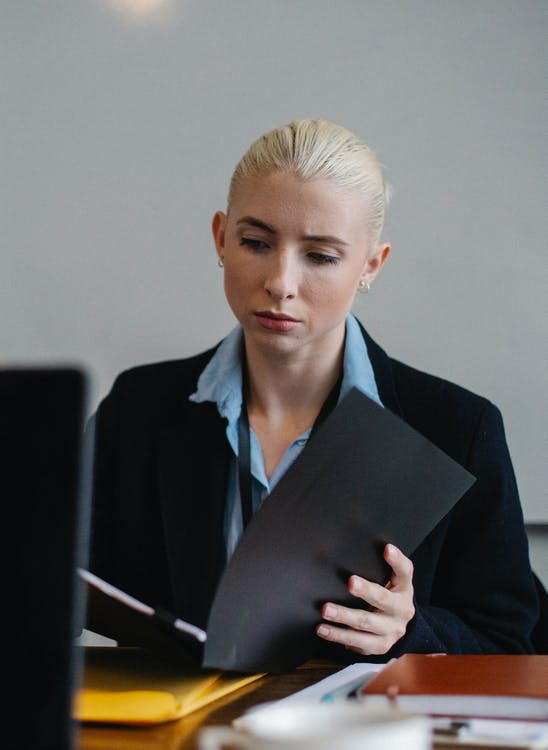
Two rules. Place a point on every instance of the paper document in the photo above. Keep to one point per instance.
(330, 686)
(364, 479)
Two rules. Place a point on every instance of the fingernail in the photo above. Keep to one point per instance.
(330, 611)
(356, 584)
(323, 630)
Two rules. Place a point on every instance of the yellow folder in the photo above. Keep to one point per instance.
(130, 686)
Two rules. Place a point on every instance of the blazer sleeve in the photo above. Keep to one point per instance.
(483, 598)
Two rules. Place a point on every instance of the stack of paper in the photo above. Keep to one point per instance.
(481, 700)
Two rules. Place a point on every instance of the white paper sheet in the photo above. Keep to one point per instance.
(334, 682)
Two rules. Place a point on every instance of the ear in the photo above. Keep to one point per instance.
(375, 262)
(218, 226)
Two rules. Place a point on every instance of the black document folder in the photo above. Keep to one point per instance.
(364, 479)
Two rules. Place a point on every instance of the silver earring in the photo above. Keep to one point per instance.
(363, 286)
(220, 263)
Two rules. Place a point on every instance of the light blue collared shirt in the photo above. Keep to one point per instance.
(221, 382)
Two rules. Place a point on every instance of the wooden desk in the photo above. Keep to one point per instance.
(182, 734)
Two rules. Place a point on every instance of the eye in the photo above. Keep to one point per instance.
(323, 259)
(253, 244)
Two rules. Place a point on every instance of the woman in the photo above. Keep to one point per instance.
(302, 234)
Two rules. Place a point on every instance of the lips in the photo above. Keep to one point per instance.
(272, 321)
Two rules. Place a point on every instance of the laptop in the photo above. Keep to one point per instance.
(45, 504)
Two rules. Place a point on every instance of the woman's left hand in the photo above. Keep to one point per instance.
(375, 630)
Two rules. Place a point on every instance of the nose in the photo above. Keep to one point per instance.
(281, 281)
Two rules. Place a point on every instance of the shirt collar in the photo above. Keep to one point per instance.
(357, 367)
(221, 379)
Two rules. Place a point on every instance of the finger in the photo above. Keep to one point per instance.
(378, 597)
(396, 601)
(377, 623)
(355, 640)
(402, 567)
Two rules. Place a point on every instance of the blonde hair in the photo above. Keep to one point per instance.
(314, 149)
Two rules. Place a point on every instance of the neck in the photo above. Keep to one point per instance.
(292, 385)
(287, 391)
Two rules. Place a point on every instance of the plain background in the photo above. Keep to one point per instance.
(120, 130)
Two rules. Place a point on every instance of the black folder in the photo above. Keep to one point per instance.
(365, 478)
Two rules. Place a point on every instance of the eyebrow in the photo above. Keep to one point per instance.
(256, 223)
(327, 239)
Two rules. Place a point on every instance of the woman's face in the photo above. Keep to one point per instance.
(294, 253)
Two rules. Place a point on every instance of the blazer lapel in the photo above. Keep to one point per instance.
(384, 375)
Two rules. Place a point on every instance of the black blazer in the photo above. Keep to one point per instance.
(160, 477)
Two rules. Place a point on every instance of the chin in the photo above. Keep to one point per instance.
(274, 340)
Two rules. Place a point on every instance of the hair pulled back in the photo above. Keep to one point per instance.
(318, 149)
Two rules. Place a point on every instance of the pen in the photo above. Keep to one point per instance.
(348, 689)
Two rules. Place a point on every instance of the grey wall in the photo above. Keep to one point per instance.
(119, 134)
(538, 550)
